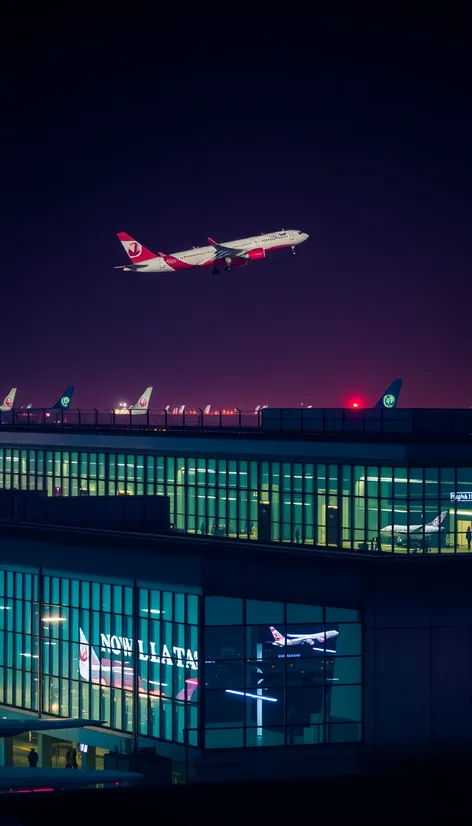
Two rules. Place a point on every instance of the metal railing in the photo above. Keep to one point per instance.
(152, 420)
(403, 423)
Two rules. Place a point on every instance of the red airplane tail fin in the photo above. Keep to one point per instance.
(136, 252)
(278, 637)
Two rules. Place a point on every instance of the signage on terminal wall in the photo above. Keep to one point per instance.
(182, 658)
(465, 496)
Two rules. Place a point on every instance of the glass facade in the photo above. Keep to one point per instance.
(67, 647)
(279, 674)
(274, 674)
(368, 508)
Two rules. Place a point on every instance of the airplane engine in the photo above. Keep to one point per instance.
(256, 255)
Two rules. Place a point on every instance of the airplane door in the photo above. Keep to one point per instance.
(332, 526)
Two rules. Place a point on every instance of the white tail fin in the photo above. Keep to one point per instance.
(181, 409)
(9, 400)
(207, 409)
(437, 522)
(143, 402)
(87, 654)
(278, 637)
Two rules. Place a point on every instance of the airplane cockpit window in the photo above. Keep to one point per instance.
(300, 232)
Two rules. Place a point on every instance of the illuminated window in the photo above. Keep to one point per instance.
(289, 675)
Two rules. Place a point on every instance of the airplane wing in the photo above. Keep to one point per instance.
(130, 267)
(226, 252)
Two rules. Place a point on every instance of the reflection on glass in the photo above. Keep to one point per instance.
(283, 680)
(90, 664)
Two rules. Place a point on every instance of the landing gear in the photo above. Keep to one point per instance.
(215, 271)
(294, 250)
(228, 268)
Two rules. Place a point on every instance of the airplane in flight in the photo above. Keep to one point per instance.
(231, 253)
(8, 401)
(141, 406)
(430, 528)
(299, 639)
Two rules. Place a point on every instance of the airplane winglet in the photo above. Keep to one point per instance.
(211, 241)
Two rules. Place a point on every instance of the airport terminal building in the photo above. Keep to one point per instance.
(301, 599)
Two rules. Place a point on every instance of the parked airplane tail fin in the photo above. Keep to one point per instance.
(64, 402)
(135, 251)
(437, 522)
(9, 400)
(389, 400)
(143, 402)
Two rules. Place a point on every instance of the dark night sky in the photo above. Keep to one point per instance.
(355, 130)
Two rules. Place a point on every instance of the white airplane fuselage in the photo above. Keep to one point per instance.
(246, 249)
(282, 641)
(410, 529)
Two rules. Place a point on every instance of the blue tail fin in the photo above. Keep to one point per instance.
(389, 400)
(64, 402)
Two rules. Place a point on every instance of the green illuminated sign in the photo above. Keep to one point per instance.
(65, 401)
(389, 400)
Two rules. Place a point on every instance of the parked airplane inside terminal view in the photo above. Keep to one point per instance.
(231, 253)
(415, 532)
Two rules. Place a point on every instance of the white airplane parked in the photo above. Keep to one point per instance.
(430, 527)
(299, 639)
(8, 401)
(207, 409)
(232, 253)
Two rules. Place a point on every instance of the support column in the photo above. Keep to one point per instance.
(45, 751)
(89, 760)
(6, 751)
